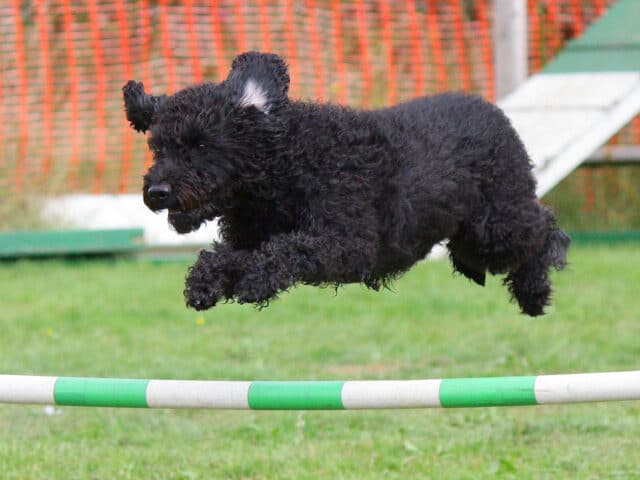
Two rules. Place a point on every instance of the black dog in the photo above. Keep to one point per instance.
(325, 194)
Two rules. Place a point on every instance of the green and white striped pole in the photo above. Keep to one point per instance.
(321, 395)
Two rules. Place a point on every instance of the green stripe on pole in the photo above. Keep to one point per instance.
(101, 392)
(488, 392)
(323, 395)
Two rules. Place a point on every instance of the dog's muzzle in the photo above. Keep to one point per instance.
(159, 196)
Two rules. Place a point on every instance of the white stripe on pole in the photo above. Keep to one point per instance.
(587, 387)
(27, 389)
(197, 394)
(391, 394)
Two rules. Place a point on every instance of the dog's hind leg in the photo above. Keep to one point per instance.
(466, 261)
(521, 240)
(529, 284)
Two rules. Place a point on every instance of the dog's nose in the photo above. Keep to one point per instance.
(158, 196)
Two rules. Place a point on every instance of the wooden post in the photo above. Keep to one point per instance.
(510, 45)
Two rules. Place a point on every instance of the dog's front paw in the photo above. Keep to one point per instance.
(205, 286)
(200, 298)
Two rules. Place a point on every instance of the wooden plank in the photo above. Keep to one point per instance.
(612, 59)
(546, 133)
(572, 90)
(69, 242)
(615, 154)
(606, 237)
(612, 120)
(617, 27)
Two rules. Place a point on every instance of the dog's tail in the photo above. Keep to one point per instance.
(529, 284)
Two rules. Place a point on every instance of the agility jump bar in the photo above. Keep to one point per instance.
(321, 395)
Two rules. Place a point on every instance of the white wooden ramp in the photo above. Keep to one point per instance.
(564, 118)
(583, 96)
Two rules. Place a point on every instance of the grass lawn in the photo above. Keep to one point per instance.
(127, 319)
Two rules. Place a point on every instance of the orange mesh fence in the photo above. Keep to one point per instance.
(62, 127)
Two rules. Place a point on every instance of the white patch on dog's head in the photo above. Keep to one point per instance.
(254, 96)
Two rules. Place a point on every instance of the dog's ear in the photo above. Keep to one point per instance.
(140, 106)
(259, 80)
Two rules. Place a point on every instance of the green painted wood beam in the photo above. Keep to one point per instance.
(611, 44)
(605, 237)
(69, 242)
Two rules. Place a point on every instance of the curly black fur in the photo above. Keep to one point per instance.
(325, 194)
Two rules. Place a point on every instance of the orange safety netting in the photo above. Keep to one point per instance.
(64, 62)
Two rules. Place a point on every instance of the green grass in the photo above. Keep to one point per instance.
(127, 319)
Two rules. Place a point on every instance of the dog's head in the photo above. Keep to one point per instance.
(209, 139)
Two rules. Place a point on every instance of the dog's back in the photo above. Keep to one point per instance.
(448, 166)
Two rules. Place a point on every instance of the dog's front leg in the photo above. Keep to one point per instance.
(211, 279)
(300, 257)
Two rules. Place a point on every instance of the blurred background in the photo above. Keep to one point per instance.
(567, 73)
(62, 128)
